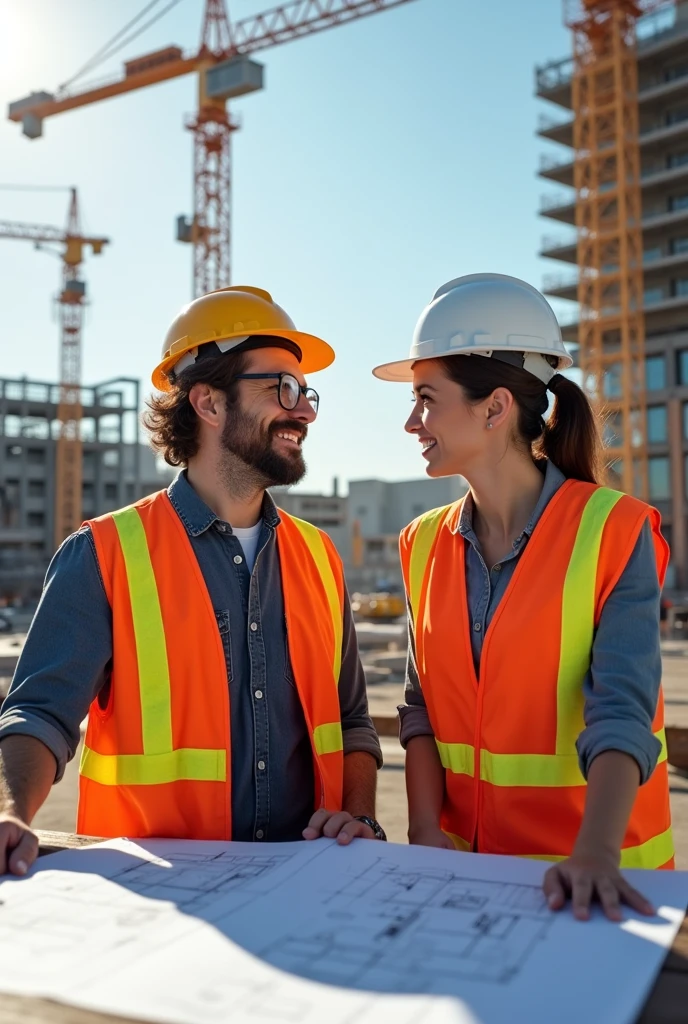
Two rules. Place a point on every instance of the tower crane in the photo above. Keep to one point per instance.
(224, 71)
(71, 300)
(609, 219)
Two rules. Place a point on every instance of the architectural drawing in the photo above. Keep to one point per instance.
(399, 930)
(62, 911)
(301, 933)
(198, 881)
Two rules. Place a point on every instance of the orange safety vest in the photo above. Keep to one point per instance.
(156, 760)
(507, 739)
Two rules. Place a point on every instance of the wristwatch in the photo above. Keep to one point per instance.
(377, 828)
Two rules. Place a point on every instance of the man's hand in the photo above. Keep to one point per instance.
(585, 876)
(430, 835)
(336, 824)
(18, 846)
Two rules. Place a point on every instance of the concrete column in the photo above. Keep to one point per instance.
(678, 540)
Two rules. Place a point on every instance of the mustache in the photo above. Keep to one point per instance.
(293, 425)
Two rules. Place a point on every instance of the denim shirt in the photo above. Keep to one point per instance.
(622, 686)
(67, 658)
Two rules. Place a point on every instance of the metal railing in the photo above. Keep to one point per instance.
(546, 122)
(556, 202)
(553, 75)
(556, 282)
(568, 318)
(652, 29)
(549, 163)
(548, 242)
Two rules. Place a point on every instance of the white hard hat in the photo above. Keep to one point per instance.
(485, 315)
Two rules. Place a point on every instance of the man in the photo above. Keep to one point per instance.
(207, 635)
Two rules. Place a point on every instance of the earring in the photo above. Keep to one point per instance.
(489, 426)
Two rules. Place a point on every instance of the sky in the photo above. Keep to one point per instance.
(382, 159)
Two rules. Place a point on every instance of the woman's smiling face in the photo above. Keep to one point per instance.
(452, 432)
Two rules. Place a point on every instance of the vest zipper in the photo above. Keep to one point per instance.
(477, 787)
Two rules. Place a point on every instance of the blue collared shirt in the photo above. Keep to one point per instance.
(622, 687)
(66, 660)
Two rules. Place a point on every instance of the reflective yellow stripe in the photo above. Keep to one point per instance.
(459, 843)
(458, 758)
(661, 736)
(154, 769)
(151, 649)
(652, 854)
(420, 554)
(546, 770)
(530, 769)
(327, 738)
(578, 618)
(316, 546)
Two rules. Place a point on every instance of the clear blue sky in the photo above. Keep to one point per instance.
(383, 158)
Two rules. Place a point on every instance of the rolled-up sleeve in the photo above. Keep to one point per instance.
(622, 687)
(66, 657)
(413, 715)
(358, 730)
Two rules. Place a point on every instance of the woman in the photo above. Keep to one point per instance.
(534, 662)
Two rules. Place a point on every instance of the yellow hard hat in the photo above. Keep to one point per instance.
(234, 314)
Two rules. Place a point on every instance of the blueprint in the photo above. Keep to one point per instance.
(174, 931)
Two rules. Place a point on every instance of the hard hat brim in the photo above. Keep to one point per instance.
(401, 371)
(316, 354)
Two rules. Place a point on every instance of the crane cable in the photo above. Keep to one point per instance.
(115, 44)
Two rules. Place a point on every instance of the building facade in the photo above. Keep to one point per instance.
(116, 470)
(329, 512)
(378, 511)
(663, 125)
(365, 525)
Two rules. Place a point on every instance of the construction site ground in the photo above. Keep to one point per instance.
(59, 811)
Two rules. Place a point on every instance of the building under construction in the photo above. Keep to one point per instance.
(116, 469)
(662, 189)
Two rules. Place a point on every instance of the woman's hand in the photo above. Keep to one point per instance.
(430, 835)
(587, 875)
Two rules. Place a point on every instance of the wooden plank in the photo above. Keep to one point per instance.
(668, 1002)
(19, 1010)
(386, 725)
(53, 842)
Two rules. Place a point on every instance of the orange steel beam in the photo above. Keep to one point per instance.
(609, 224)
(116, 87)
(279, 25)
(69, 453)
(45, 234)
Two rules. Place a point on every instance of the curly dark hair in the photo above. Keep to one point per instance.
(170, 418)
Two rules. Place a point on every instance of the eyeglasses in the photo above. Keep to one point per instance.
(289, 390)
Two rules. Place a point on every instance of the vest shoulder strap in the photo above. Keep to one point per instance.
(416, 544)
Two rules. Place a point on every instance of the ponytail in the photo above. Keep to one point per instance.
(570, 437)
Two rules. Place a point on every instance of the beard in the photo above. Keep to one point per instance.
(244, 439)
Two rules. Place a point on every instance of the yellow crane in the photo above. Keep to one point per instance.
(71, 300)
